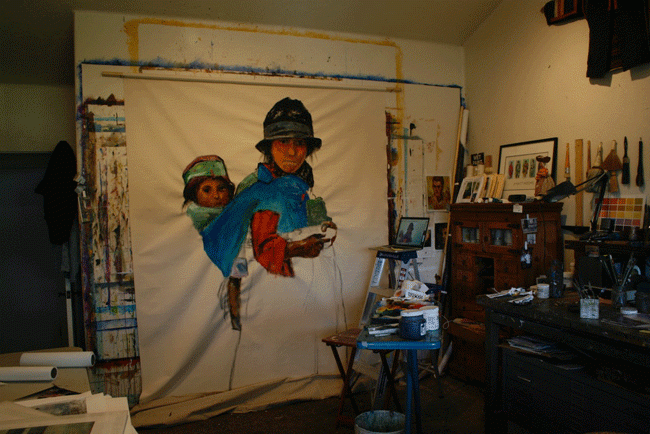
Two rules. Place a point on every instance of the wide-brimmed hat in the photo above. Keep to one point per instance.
(206, 165)
(288, 119)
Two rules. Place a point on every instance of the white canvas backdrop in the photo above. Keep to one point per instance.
(186, 344)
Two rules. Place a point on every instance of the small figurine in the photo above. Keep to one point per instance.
(543, 180)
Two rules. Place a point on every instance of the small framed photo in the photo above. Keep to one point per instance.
(438, 193)
(471, 189)
(490, 183)
(440, 235)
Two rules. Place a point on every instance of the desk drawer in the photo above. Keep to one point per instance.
(548, 395)
(529, 373)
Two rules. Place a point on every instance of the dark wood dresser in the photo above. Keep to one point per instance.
(487, 242)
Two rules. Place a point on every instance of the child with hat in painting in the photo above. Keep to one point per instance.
(207, 191)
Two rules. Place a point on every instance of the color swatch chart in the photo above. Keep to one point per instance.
(623, 212)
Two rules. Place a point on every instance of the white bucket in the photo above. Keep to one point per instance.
(379, 421)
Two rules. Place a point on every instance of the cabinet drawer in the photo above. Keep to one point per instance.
(464, 262)
(503, 281)
(580, 402)
(465, 279)
(507, 265)
(529, 373)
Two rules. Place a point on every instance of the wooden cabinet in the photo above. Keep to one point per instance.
(487, 242)
(487, 245)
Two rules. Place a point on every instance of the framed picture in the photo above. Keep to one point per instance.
(440, 235)
(438, 193)
(519, 165)
(471, 189)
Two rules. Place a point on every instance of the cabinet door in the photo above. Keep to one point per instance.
(466, 235)
(502, 237)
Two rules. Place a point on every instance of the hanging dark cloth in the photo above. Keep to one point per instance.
(618, 27)
(58, 190)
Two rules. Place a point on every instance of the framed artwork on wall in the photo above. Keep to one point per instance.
(519, 164)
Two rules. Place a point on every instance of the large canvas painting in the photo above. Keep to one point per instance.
(249, 205)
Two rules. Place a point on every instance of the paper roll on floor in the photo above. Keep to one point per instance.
(78, 359)
(28, 373)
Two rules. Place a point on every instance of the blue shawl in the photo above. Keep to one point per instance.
(286, 196)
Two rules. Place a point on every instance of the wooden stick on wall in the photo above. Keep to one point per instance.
(452, 190)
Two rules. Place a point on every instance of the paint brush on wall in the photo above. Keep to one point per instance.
(596, 169)
(588, 157)
(567, 164)
(612, 164)
(639, 170)
(625, 171)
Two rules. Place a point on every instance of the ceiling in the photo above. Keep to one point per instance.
(37, 36)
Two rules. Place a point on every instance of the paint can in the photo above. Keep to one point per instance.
(380, 421)
(412, 324)
(431, 322)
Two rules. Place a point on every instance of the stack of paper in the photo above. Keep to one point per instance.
(531, 343)
(84, 413)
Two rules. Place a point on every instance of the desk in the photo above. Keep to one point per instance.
(394, 342)
(552, 319)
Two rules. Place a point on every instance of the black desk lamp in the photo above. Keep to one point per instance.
(566, 189)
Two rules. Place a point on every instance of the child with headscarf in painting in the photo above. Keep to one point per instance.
(207, 191)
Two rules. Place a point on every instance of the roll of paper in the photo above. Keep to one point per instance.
(77, 359)
(28, 373)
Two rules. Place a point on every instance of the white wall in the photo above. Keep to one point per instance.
(527, 80)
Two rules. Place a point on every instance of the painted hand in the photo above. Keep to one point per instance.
(309, 247)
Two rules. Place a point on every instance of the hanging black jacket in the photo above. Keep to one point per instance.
(619, 28)
(58, 190)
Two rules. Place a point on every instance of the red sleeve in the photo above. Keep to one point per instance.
(268, 247)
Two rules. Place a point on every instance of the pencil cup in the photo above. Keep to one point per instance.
(542, 290)
(589, 308)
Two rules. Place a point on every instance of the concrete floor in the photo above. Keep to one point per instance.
(459, 411)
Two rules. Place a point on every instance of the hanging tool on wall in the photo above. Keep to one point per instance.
(577, 173)
(588, 157)
(625, 174)
(639, 170)
(567, 164)
(596, 169)
(612, 164)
